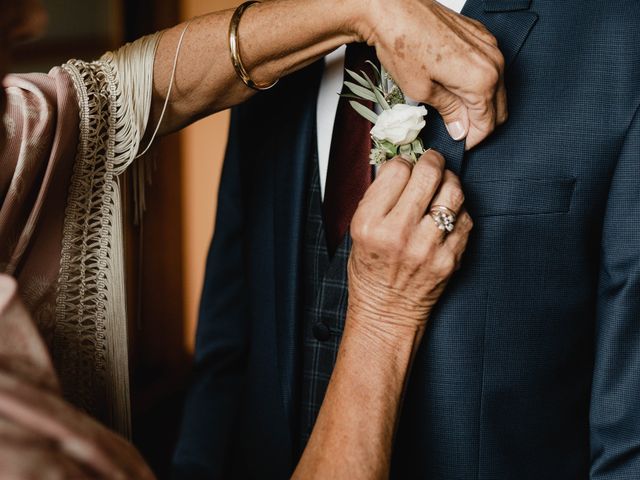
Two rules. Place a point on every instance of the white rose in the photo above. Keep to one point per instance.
(401, 125)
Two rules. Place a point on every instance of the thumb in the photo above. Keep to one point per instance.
(453, 111)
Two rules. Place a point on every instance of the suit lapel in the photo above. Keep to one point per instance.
(510, 21)
(294, 146)
(435, 136)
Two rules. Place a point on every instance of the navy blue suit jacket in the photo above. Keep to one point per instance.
(530, 368)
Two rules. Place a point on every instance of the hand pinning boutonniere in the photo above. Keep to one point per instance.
(395, 131)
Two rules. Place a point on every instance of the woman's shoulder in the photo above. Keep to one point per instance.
(38, 96)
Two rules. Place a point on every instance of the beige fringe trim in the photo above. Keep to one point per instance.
(91, 344)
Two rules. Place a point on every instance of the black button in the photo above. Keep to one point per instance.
(321, 332)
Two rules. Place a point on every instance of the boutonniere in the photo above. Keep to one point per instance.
(396, 130)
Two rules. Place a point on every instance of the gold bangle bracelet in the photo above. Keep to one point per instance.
(234, 48)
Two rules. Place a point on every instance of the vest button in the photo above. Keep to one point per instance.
(321, 332)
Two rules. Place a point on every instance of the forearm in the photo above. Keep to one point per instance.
(397, 272)
(353, 435)
(277, 37)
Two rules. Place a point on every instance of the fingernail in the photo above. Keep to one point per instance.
(456, 130)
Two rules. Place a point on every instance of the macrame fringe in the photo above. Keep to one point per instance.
(91, 342)
(117, 371)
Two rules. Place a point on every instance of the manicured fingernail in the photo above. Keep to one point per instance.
(456, 130)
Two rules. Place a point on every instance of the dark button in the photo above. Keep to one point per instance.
(321, 332)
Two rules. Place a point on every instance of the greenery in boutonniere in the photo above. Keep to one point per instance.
(396, 129)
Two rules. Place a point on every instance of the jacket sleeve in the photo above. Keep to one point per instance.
(615, 400)
(222, 336)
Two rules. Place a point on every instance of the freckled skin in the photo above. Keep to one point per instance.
(435, 55)
(399, 47)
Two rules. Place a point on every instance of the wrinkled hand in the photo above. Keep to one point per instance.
(443, 59)
(401, 262)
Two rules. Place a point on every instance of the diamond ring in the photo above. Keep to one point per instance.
(444, 218)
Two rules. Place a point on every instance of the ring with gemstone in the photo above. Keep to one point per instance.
(444, 217)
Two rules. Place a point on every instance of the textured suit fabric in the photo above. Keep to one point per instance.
(530, 366)
(325, 307)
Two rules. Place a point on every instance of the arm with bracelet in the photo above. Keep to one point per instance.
(272, 39)
(61, 260)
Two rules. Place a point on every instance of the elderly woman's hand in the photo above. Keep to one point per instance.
(443, 59)
(399, 265)
(401, 261)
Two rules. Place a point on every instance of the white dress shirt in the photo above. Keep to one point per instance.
(328, 98)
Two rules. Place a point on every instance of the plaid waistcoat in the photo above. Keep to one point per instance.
(325, 307)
